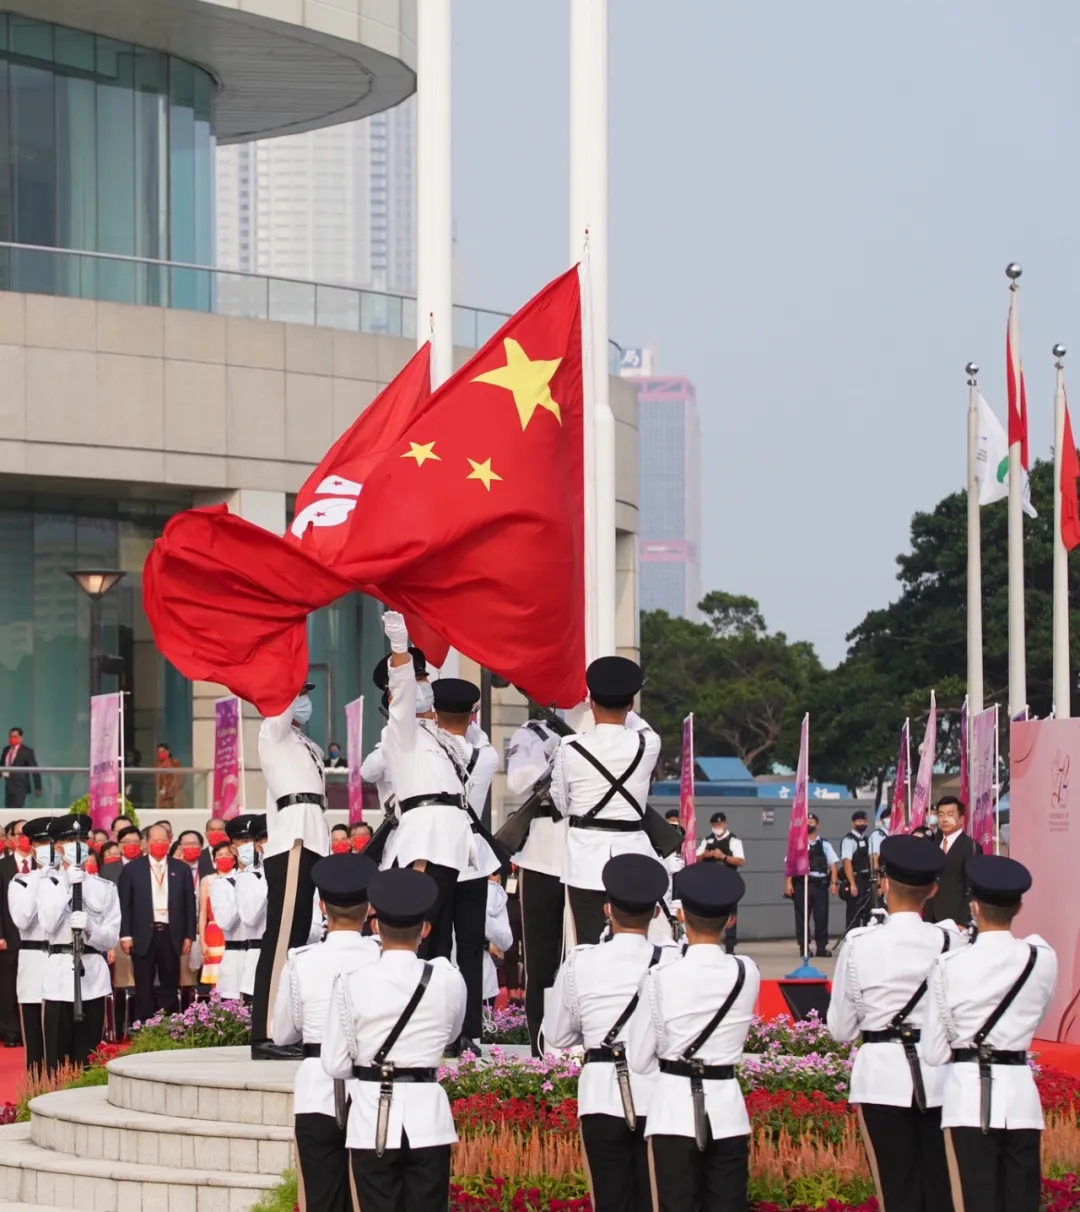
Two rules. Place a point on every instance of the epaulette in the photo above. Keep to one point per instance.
(20, 881)
(860, 931)
(300, 950)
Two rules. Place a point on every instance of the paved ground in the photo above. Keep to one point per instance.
(777, 959)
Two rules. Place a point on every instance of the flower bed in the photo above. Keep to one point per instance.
(216, 1023)
(507, 1025)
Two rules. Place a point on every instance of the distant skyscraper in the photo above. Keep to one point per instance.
(669, 488)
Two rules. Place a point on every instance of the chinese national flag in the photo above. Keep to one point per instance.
(471, 521)
(1070, 470)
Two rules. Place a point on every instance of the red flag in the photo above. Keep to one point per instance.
(1070, 470)
(1014, 368)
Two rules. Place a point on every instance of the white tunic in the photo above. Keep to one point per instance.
(226, 913)
(363, 1011)
(373, 771)
(528, 759)
(497, 931)
(877, 972)
(251, 895)
(22, 905)
(487, 763)
(592, 989)
(101, 903)
(303, 1002)
(292, 764)
(678, 1000)
(965, 987)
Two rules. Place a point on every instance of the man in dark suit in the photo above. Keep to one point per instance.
(16, 754)
(952, 900)
(157, 922)
(11, 863)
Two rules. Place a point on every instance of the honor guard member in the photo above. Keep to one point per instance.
(373, 768)
(855, 859)
(300, 1010)
(985, 1003)
(692, 1025)
(387, 1029)
(593, 1001)
(539, 863)
(879, 998)
(33, 955)
(822, 882)
(600, 782)
(252, 897)
(226, 910)
(298, 837)
(724, 847)
(71, 1032)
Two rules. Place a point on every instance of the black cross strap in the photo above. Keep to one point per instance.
(618, 785)
(406, 1014)
(631, 1006)
(979, 1037)
(919, 994)
(719, 1016)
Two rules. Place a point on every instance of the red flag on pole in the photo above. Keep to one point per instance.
(899, 812)
(1018, 426)
(797, 860)
(687, 815)
(1070, 470)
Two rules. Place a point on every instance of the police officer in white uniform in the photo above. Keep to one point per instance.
(722, 846)
(33, 955)
(600, 782)
(386, 1032)
(252, 896)
(594, 998)
(99, 925)
(985, 1003)
(303, 1001)
(373, 768)
(879, 997)
(692, 1025)
(226, 911)
(298, 837)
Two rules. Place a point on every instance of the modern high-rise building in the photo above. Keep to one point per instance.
(669, 519)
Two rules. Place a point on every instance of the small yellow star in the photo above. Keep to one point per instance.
(421, 453)
(528, 381)
(482, 472)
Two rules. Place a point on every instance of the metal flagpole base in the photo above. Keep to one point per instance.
(806, 972)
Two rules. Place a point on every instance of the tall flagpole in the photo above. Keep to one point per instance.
(1062, 696)
(1017, 655)
(974, 544)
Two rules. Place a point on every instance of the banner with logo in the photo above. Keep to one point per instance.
(354, 730)
(687, 817)
(898, 814)
(228, 758)
(983, 778)
(797, 860)
(920, 801)
(106, 759)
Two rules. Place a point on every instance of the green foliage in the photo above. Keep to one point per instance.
(282, 1198)
(813, 1191)
(81, 807)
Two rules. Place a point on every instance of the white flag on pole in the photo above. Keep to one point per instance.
(992, 461)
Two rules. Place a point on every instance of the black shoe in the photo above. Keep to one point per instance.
(460, 1045)
(267, 1050)
(12, 1043)
(826, 954)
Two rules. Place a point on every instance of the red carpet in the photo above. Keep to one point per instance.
(12, 1067)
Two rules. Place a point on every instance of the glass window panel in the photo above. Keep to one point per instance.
(6, 198)
(34, 39)
(116, 168)
(151, 156)
(76, 152)
(34, 166)
(203, 183)
(75, 49)
(185, 287)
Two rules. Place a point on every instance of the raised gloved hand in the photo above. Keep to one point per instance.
(396, 631)
(77, 920)
(75, 875)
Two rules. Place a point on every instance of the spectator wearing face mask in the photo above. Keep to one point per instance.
(360, 833)
(188, 848)
(10, 1032)
(335, 759)
(339, 840)
(33, 858)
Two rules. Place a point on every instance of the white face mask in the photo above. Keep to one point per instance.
(245, 854)
(425, 697)
(75, 852)
(931, 819)
(42, 854)
(301, 711)
(719, 830)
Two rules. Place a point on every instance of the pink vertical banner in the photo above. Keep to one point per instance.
(983, 769)
(228, 759)
(106, 758)
(920, 801)
(899, 812)
(797, 859)
(354, 732)
(965, 759)
(687, 815)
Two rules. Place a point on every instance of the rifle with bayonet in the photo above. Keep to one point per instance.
(77, 949)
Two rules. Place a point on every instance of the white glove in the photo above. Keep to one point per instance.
(77, 920)
(396, 631)
(75, 875)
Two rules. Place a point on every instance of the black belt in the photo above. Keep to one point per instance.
(311, 1050)
(243, 945)
(374, 1073)
(709, 1073)
(605, 824)
(599, 1055)
(65, 949)
(991, 1056)
(302, 797)
(445, 798)
(891, 1035)
(33, 944)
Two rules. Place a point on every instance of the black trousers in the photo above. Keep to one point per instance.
(687, 1179)
(731, 936)
(542, 899)
(160, 958)
(470, 926)
(998, 1172)
(858, 910)
(301, 899)
(402, 1180)
(587, 908)
(10, 1030)
(33, 1033)
(440, 940)
(617, 1162)
(67, 1040)
(906, 1148)
(322, 1164)
(819, 912)
(15, 796)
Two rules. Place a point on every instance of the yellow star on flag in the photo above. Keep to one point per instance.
(528, 381)
(482, 472)
(421, 452)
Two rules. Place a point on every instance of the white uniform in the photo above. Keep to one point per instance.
(364, 1008)
(475, 743)
(677, 1002)
(251, 895)
(22, 905)
(965, 987)
(303, 1002)
(877, 972)
(101, 903)
(735, 843)
(529, 758)
(292, 764)
(373, 771)
(226, 911)
(497, 931)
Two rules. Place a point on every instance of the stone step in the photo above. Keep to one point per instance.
(44, 1178)
(205, 1083)
(85, 1124)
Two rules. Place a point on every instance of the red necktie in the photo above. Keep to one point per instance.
(26, 867)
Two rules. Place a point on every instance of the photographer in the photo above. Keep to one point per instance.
(724, 847)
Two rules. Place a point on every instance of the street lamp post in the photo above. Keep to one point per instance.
(95, 583)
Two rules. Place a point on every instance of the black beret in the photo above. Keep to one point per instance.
(718, 818)
(613, 680)
(401, 896)
(997, 880)
(455, 695)
(242, 826)
(912, 860)
(634, 882)
(38, 830)
(381, 673)
(342, 879)
(711, 889)
(64, 828)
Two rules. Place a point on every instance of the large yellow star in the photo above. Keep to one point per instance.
(528, 381)
(482, 472)
(421, 452)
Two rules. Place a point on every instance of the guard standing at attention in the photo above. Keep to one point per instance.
(984, 1005)
(879, 998)
(33, 947)
(821, 883)
(594, 998)
(303, 1001)
(855, 857)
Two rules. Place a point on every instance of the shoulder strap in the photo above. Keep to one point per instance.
(470, 765)
(537, 728)
(617, 784)
(720, 1015)
(631, 1006)
(406, 1014)
(1008, 999)
(919, 993)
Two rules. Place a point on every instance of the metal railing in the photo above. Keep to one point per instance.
(120, 278)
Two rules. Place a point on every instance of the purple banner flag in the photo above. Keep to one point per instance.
(983, 769)
(797, 860)
(687, 817)
(920, 801)
(965, 777)
(354, 731)
(106, 759)
(899, 812)
(228, 760)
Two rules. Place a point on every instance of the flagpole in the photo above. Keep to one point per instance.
(1062, 696)
(997, 778)
(1017, 654)
(974, 537)
(907, 804)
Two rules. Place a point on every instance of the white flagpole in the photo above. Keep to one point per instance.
(974, 541)
(1062, 696)
(1017, 653)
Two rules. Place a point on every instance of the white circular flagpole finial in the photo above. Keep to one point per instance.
(1013, 271)
(971, 370)
(1059, 351)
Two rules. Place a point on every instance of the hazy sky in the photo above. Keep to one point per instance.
(811, 209)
